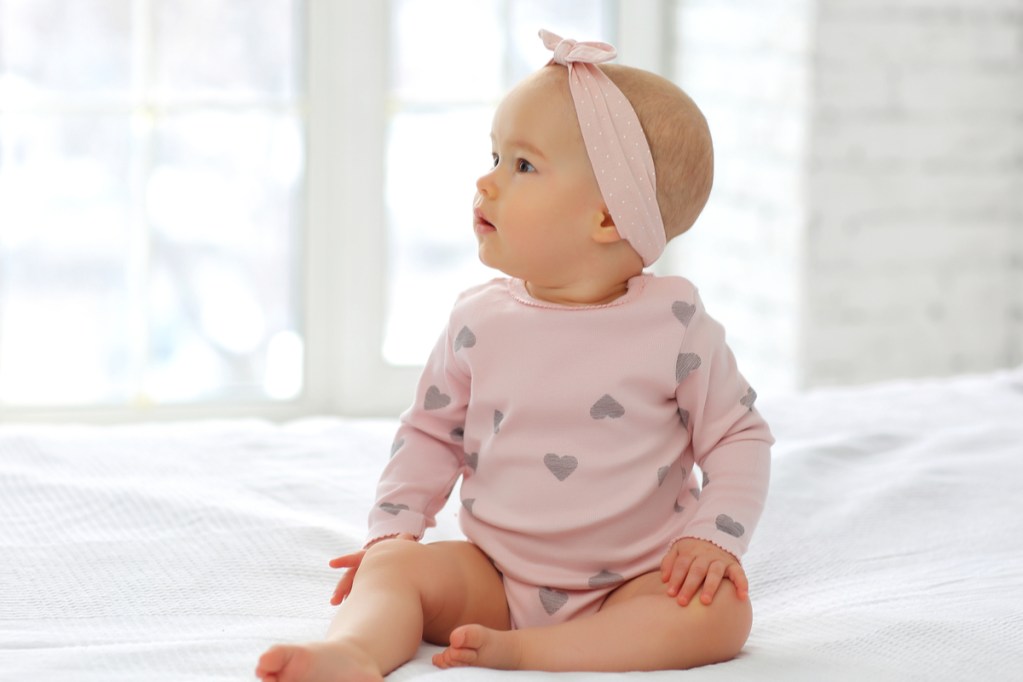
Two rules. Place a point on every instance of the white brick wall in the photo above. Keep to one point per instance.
(867, 220)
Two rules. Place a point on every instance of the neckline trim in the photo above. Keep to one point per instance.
(517, 289)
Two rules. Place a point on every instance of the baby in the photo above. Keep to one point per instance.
(573, 398)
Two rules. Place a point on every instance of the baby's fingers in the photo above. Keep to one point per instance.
(739, 579)
(678, 572)
(344, 586)
(694, 577)
(348, 560)
(712, 582)
(667, 564)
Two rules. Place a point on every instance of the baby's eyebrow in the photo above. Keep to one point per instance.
(524, 145)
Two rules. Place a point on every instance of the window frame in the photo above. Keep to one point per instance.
(367, 385)
(343, 273)
(346, 266)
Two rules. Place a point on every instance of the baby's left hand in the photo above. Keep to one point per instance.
(691, 563)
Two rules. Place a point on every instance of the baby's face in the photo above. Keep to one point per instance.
(535, 208)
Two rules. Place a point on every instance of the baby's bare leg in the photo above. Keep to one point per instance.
(404, 592)
(639, 627)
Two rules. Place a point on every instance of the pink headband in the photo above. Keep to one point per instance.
(615, 143)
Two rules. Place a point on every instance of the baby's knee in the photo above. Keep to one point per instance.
(393, 546)
(725, 624)
(413, 557)
(394, 553)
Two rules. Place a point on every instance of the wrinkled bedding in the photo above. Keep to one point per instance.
(891, 547)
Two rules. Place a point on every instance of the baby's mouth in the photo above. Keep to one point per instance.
(480, 223)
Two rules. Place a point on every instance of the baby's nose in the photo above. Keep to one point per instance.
(485, 185)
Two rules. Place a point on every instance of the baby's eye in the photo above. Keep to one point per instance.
(524, 166)
(495, 158)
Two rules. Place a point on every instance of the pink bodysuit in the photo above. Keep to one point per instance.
(575, 431)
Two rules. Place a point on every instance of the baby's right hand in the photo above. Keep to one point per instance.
(352, 562)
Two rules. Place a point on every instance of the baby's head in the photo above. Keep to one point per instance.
(674, 129)
(595, 169)
(679, 141)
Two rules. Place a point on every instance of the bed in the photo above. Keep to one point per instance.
(891, 548)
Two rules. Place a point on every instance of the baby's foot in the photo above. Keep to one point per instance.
(481, 647)
(320, 662)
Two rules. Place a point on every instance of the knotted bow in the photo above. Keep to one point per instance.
(615, 143)
(567, 50)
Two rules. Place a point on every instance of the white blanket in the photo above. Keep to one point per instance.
(891, 548)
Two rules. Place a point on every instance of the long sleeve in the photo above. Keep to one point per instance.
(580, 433)
(730, 441)
(427, 456)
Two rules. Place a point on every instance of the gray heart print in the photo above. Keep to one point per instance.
(464, 339)
(552, 599)
(607, 407)
(605, 579)
(435, 400)
(749, 398)
(686, 363)
(393, 509)
(726, 524)
(561, 467)
(683, 311)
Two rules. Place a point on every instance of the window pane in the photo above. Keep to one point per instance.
(435, 61)
(150, 201)
(225, 46)
(65, 259)
(56, 45)
(577, 19)
(224, 251)
(445, 86)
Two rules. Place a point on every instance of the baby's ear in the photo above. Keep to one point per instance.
(605, 231)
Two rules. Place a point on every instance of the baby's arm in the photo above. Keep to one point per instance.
(427, 456)
(731, 443)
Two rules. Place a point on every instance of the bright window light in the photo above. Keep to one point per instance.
(445, 84)
(151, 169)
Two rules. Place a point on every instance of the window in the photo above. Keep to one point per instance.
(151, 163)
(425, 114)
(255, 207)
(444, 86)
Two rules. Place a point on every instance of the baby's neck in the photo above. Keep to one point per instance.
(597, 277)
(579, 294)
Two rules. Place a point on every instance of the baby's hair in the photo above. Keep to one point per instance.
(679, 141)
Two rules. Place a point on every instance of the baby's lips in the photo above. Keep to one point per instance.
(480, 221)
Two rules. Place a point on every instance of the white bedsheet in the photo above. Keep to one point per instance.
(891, 549)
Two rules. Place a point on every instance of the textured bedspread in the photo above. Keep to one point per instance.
(891, 548)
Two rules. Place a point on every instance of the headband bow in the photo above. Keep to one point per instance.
(615, 143)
